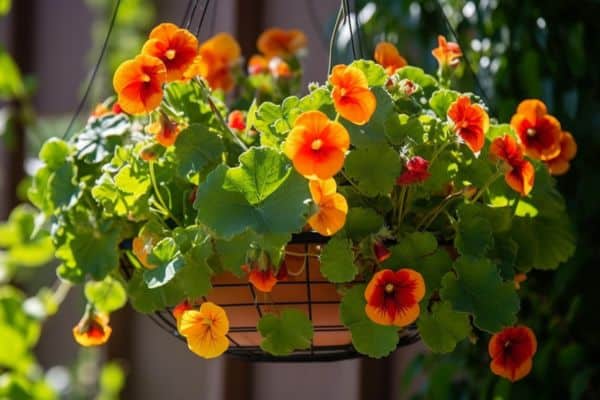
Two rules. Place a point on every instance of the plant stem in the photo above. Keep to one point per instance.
(220, 117)
(336, 27)
(492, 179)
(161, 203)
(61, 291)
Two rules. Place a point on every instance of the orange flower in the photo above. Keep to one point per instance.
(100, 110)
(142, 246)
(279, 68)
(470, 122)
(559, 165)
(205, 330)
(179, 309)
(258, 65)
(393, 297)
(518, 279)
(520, 174)
(214, 62)
(174, 46)
(265, 279)
(351, 95)
(512, 352)
(92, 329)
(388, 56)
(281, 43)
(164, 130)
(237, 120)
(331, 215)
(447, 53)
(316, 145)
(138, 84)
(538, 131)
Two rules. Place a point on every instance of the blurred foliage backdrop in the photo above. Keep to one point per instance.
(521, 49)
(517, 49)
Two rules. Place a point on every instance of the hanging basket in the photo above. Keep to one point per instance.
(305, 289)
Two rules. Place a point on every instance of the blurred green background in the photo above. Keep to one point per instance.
(515, 50)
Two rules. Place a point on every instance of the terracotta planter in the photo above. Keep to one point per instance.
(304, 289)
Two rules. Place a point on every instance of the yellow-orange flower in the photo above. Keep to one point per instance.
(332, 207)
(447, 53)
(142, 246)
(164, 130)
(470, 122)
(520, 173)
(316, 145)
(560, 164)
(205, 330)
(393, 297)
(281, 43)
(351, 95)
(92, 329)
(174, 46)
(138, 84)
(539, 132)
(214, 62)
(512, 352)
(387, 55)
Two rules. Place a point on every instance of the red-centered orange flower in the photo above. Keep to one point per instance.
(175, 47)
(512, 352)
(138, 84)
(521, 177)
(92, 329)
(164, 130)
(417, 170)
(560, 164)
(180, 308)
(351, 95)
(281, 43)
(470, 122)
(237, 121)
(393, 297)
(332, 207)
(447, 54)
(538, 131)
(142, 246)
(387, 55)
(205, 330)
(520, 173)
(316, 145)
(381, 252)
(214, 62)
(257, 65)
(506, 148)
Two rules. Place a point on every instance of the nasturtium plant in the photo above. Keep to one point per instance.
(420, 208)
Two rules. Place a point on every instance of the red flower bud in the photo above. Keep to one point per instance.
(417, 170)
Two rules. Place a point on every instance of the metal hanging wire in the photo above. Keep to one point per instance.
(95, 70)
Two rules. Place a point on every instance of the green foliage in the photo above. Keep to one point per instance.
(228, 213)
(100, 138)
(375, 74)
(337, 260)
(442, 328)
(261, 172)
(197, 149)
(107, 295)
(477, 288)
(373, 181)
(11, 83)
(282, 334)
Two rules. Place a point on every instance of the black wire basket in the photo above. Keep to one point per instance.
(304, 289)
